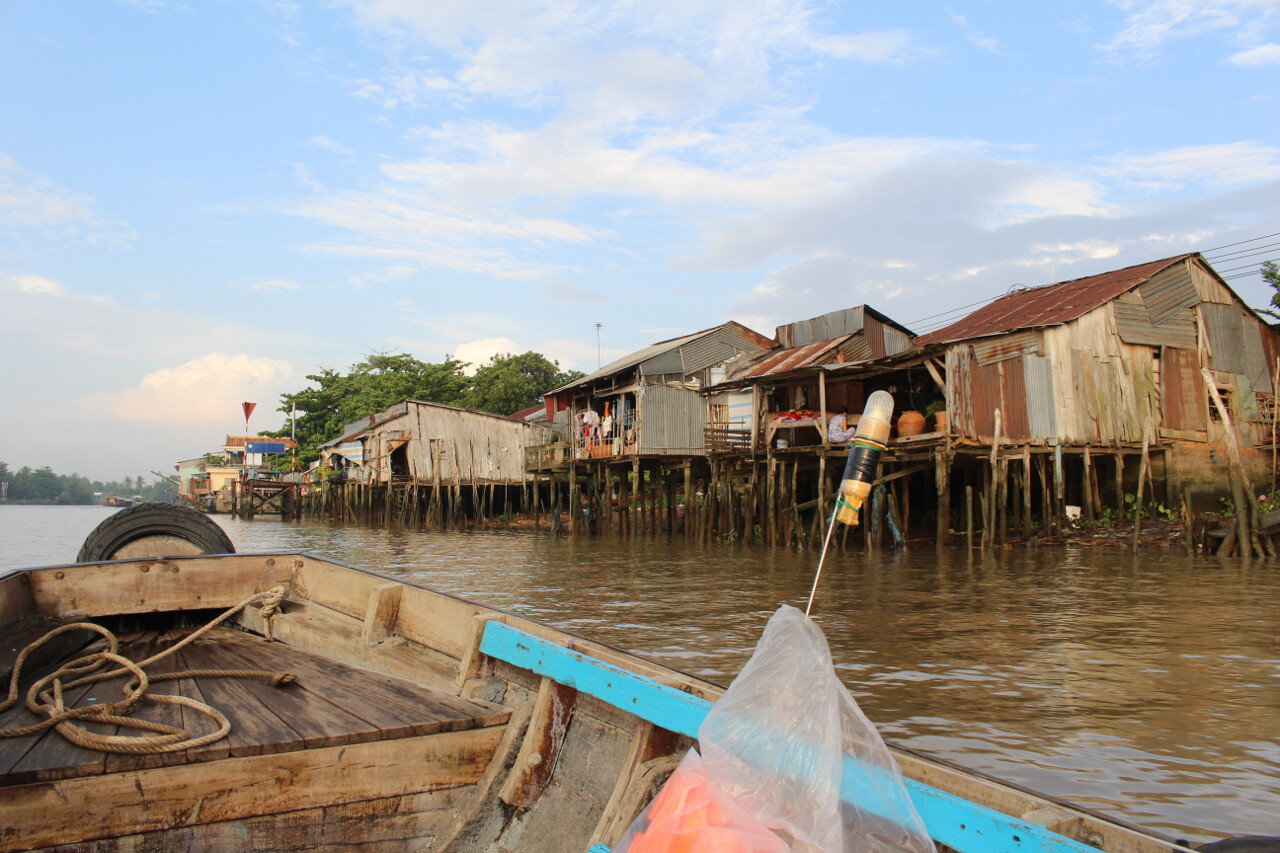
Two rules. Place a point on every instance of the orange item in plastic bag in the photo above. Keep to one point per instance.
(692, 815)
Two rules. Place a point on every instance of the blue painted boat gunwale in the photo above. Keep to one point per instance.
(965, 826)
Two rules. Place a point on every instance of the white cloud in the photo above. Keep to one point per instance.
(328, 144)
(1228, 164)
(30, 201)
(1263, 54)
(207, 390)
(1151, 24)
(979, 39)
(28, 283)
(275, 284)
(479, 351)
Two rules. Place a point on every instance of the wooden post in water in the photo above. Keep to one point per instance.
(942, 482)
(989, 513)
(1086, 491)
(688, 499)
(1142, 474)
(1119, 457)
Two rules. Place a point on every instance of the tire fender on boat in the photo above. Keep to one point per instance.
(154, 530)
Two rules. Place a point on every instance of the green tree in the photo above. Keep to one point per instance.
(371, 386)
(509, 383)
(1271, 275)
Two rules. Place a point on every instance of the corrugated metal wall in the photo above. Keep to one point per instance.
(990, 350)
(1041, 422)
(895, 340)
(672, 420)
(824, 328)
(873, 331)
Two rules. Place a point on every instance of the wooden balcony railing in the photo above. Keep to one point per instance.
(726, 440)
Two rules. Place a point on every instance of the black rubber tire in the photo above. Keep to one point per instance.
(154, 519)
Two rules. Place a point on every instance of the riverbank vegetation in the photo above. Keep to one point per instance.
(503, 385)
(43, 486)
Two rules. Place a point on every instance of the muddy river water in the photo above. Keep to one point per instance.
(1145, 686)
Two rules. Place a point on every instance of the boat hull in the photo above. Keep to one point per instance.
(571, 740)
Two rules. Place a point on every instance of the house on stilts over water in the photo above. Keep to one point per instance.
(427, 463)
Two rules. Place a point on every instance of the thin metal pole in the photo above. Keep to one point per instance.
(825, 542)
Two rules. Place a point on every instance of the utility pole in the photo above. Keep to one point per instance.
(598, 325)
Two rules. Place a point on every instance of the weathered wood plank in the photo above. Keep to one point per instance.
(392, 824)
(308, 716)
(540, 750)
(15, 601)
(380, 616)
(154, 585)
(163, 798)
(395, 705)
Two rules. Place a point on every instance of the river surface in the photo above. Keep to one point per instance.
(1147, 687)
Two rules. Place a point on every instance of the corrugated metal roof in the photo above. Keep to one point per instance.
(731, 330)
(632, 359)
(1050, 305)
(790, 359)
(847, 321)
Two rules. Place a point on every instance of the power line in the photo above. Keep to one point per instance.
(1269, 249)
(1241, 243)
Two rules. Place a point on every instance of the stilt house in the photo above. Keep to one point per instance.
(648, 403)
(432, 443)
(1093, 361)
(786, 391)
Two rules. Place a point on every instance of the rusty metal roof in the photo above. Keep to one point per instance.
(1050, 305)
(790, 359)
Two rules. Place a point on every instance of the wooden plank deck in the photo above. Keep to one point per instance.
(330, 704)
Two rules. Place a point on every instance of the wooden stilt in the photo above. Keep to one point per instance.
(942, 483)
(1086, 490)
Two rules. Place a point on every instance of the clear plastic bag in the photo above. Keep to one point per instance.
(790, 749)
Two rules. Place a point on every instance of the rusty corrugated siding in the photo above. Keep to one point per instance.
(1013, 399)
(895, 339)
(1168, 292)
(790, 359)
(672, 420)
(873, 331)
(984, 396)
(1046, 306)
(988, 351)
(1182, 394)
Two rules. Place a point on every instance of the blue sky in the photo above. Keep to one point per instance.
(202, 202)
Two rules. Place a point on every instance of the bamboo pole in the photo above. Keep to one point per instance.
(1142, 473)
(1250, 504)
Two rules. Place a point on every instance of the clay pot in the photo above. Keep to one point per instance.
(940, 420)
(910, 423)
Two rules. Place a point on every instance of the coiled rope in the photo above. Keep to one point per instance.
(46, 695)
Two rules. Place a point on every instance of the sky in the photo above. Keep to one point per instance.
(201, 203)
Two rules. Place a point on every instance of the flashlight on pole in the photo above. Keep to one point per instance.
(869, 442)
(864, 456)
